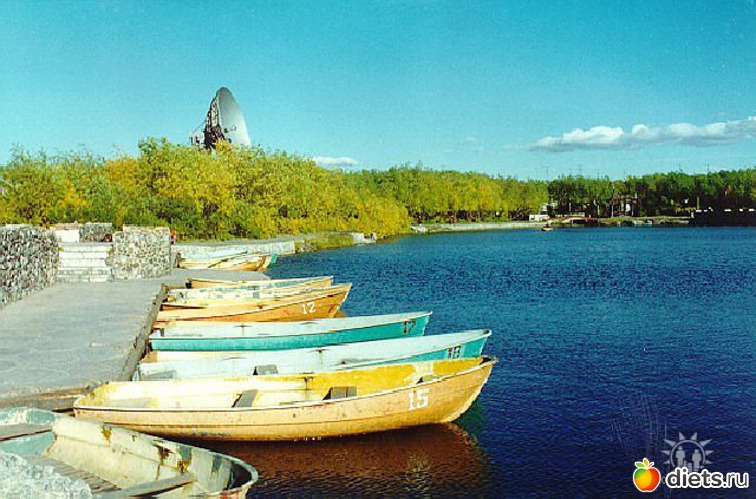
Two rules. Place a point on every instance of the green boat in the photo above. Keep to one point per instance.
(287, 335)
(188, 365)
(41, 449)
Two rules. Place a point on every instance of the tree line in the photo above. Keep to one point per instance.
(253, 193)
(673, 193)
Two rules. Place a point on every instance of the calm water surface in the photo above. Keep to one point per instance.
(610, 341)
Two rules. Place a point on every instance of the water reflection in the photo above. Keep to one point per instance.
(438, 460)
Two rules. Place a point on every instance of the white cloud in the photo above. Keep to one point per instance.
(640, 136)
(329, 161)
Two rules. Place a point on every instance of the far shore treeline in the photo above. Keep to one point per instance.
(251, 193)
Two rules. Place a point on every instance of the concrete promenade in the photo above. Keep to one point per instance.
(57, 343)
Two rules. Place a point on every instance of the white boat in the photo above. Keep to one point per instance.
(188, 365)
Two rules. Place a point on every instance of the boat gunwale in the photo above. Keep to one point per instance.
(231, 284)
(486, 363)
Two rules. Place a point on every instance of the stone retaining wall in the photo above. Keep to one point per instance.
(95, 232)
(28, 261)
(140, 252)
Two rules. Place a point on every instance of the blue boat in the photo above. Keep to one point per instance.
(286, 335)
(188, 365)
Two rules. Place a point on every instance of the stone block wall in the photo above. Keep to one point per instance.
(95, 232)
(28, 261)
(141, 252)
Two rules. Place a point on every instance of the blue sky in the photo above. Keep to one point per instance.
(529, 89)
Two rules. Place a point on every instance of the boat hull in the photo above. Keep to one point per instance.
(304, 360)
(440, 400)
(405, 326)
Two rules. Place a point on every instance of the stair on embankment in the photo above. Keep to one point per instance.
(85, 262)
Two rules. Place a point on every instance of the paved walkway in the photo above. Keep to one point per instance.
(58, 342)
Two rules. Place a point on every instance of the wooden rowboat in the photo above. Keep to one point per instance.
(317, 304)
(256, 298)
(217, 336)
(305, 282)
(236, 262)
(293, 407)
(205, 297)
(194, 365)
(115, 462)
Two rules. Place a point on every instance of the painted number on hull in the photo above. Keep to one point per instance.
(418, 399)
(308, 308)
(453, 353)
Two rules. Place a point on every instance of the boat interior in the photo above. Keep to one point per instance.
(115, 462)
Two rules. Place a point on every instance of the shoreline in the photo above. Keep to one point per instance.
(563, 223)
(308, 243)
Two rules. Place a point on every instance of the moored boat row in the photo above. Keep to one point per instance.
(267, 360)
(290, 380)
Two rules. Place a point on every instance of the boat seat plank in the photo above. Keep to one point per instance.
(158, 375)
(246, 398)
(95, 483)
(8, 432)
(340, 392)
(265, 369)
(152, 488)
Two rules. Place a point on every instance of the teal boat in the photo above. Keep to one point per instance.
(188, 365)
(287, 335)
(42, 451)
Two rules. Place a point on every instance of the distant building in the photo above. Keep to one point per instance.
(540, 217)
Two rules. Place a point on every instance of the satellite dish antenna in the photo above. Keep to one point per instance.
(224, 121)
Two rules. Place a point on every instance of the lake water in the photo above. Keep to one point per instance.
(610, 341)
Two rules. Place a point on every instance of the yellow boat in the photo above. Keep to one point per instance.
(293, 407)
(302, 282)
(234, 262)
(214, 297)
(316, 304)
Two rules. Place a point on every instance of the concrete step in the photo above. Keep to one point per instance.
(83, 262)
(84, 254)
(84, 274)
(83, 278)
(86, 247)
(85, 270)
